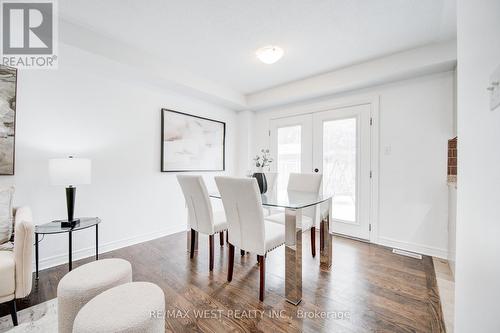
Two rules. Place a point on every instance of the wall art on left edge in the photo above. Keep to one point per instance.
(8, 84)
(191, 143)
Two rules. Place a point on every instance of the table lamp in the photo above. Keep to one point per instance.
(69, 172)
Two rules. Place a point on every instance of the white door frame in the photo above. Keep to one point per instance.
(329, 104)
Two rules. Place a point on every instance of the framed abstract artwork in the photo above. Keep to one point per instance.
(191, 143)
(8, 84)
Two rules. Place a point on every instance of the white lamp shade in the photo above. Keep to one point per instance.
(69, 171)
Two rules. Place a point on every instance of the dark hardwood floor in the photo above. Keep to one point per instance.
(375, 290)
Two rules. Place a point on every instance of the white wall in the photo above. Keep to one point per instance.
(245, 121)
(452, 226)
(96, 108)
(477, 276)
(452, 195)
(416, 120)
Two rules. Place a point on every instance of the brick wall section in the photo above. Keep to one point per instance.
(452, 157)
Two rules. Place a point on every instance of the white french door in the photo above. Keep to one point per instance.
(337, 144)
(341, 151)
(291, 142)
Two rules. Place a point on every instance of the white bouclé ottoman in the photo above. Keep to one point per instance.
(84, 283)
(129, 308)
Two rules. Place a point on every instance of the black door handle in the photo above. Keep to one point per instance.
(316, 170)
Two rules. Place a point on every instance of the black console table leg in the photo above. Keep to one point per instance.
(36, 255)
(96, 242)
(70, 262)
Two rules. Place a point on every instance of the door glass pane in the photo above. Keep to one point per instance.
(339, 166)
(289, 154)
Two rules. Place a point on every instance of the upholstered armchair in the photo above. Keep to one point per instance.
(16, 265)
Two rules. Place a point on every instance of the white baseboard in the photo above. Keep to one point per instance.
(412, 247)
(103, 248)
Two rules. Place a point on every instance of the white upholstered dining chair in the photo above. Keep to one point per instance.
(303, 182)
(201, 217)
(247, 228)
(271, 178)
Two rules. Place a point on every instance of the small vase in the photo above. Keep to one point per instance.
(261, 180)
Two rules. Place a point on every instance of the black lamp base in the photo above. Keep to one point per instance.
(69, 224)
(70, 202)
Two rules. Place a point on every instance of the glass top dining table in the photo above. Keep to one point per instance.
(287, 199)
(293, 202)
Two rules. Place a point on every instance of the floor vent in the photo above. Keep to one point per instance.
(406, 253)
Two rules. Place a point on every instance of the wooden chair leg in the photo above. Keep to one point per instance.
(221, 238)
(262, 287)
(321, 240)
(230, 263)
(242, 252)
(13, 311)
(211, 245)
(265, 256)
(193, 237)
(313, 241)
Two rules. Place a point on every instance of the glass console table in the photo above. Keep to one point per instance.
(54, 227)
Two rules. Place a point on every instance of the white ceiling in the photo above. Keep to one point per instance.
(217, 39)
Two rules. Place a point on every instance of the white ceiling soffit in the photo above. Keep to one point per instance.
(217, 39)
(232, 76)
(154, 68)
(420, 61)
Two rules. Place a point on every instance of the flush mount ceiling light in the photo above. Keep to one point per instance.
(269, 54)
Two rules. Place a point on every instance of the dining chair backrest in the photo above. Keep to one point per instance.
(306, 182)
(200, 214)
(243, 206)
(271, 178)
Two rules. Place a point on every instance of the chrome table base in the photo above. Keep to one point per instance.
(293, 256)
(326, 247)
(293, 251)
